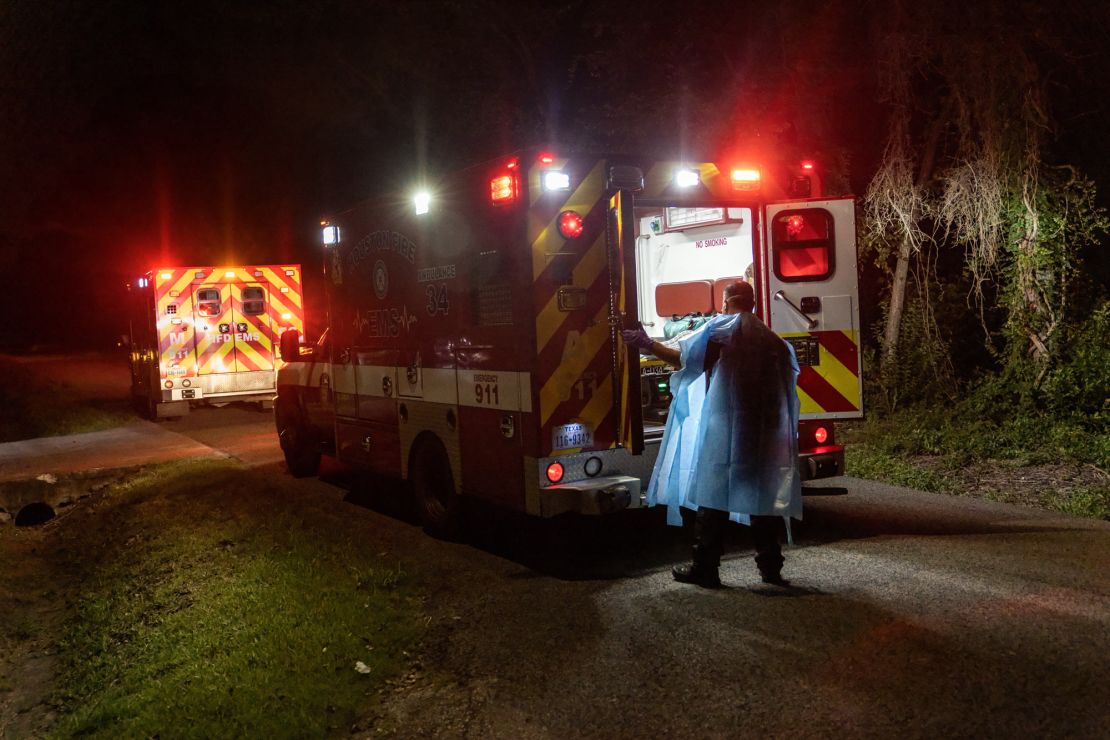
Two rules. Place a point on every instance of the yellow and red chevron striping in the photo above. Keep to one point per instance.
(832, 385)
(190, 352)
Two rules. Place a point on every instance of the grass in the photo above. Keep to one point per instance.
(894, 448)
(36, 407)
(212, 606)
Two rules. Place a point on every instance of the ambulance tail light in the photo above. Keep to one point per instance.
(820, 435)
(570, 225)
(745, 178)
(555, 472)
(503, 190)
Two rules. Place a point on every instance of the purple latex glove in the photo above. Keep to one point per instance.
(637, 339)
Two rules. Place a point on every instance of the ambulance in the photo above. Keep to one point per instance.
(474, 344)
(209, 335)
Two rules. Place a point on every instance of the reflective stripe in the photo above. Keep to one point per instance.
(508, 390)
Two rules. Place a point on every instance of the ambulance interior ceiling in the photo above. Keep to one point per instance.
(685, 257)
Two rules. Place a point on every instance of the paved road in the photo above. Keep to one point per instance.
(911, 614)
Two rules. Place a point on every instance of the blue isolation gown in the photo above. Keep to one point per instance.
(726, 447)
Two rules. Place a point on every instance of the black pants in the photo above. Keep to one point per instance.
(709, 540)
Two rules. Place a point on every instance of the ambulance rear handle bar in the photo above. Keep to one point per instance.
(780, 296)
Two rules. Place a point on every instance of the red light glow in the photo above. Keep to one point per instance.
(502, 190)
(555, 472)
(570, 225)
(794, 225)
(808, 166)
(821, 435)
(547, 158)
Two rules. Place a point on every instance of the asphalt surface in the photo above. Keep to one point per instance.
(910, 614)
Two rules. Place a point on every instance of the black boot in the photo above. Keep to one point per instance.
(708, 544)
(768, 551)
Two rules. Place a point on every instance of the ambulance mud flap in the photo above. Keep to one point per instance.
(595, 496)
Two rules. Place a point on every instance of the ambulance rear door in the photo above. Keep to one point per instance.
(812, 295)
(253, 338)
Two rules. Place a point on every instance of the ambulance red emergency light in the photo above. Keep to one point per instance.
(209, 334)
(474, 346)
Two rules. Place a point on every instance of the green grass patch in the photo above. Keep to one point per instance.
(218, 607)
(865, 461)
(1089, 501)
(36, 407)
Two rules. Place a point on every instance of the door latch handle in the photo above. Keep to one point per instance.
(780, 296)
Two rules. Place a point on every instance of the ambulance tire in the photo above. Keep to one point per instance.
(433, 486)
(302, 454)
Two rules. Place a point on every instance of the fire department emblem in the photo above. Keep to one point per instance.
(381, 279)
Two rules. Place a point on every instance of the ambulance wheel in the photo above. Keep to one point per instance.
(302, 454)
(433, 485)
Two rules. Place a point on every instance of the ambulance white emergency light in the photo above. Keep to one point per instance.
(556, 180)
(229, 273)
(686, 178)
(422, 201)
(166, 275)
(331, 236)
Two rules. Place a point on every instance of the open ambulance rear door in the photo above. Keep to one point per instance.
(811, 288)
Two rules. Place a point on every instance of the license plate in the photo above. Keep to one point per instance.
(572, 435)
(190, 393)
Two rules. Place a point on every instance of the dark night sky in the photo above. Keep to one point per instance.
(189, 132)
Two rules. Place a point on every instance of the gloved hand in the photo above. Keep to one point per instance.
(637, 339)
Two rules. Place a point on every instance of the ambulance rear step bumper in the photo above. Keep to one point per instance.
(593, 496)
(827, 463)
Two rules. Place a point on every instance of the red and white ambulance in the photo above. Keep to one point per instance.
(474, 345)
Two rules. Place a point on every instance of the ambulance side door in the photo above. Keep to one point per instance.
(813, 297)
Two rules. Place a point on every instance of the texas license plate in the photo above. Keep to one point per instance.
(572, 435)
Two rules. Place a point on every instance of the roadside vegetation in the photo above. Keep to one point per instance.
(215, 602)
(34, 406)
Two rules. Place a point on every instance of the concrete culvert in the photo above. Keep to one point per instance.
(32, 514)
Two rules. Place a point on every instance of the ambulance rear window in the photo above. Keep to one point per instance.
(803, 244)
(254, 301)
(208, 302)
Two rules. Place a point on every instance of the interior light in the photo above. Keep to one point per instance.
(686, 178)
(331, 235)
(570, 225)
(821, 435)
(422, 200)
(502, 190)
(555, 472)
(556, 180)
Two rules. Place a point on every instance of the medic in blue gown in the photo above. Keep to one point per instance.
(730, 445)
